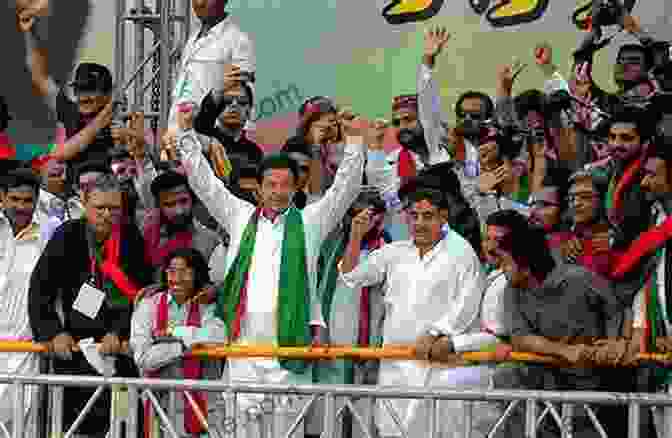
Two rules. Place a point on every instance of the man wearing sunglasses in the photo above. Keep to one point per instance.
(223, 114)
(216, 42)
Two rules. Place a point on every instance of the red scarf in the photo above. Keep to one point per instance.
(110, 267)
(365, 298)
(625, 183)
(645, 244)
(406, 167)
(156, 253)
(191, 369)
(7, 149)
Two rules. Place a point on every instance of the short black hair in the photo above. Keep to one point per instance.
(486, 101)
(535, 251)
(435, 197)
(529, 100)
(279, 160)
(643, 120)
(507, 218)
(166, 181)
(195, 260)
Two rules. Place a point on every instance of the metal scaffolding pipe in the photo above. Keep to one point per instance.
(120, 42)
(164, 67)
(139, 55)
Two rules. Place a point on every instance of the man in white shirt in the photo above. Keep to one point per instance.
(218, 41)
(269, 290)
(433, 290)
(20, 248)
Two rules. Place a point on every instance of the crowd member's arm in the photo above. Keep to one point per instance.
(46, 282)
(430, 114)
(223, 205)
(212, 331)
(80, 141)
(374, 269)
(146, 171)
(148, 355)
(505, 109)
(328, 212)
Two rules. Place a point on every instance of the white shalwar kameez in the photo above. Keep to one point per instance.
(442, 290)
(259, 323)
(201, 66)
(18, 256)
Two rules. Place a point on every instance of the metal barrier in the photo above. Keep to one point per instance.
(227, 425)
(225, 420)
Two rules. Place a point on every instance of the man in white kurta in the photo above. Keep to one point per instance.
(433, 287)
(258, 326)
(217, 42)
(20, 248)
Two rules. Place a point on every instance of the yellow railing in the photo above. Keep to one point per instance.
(216, 351)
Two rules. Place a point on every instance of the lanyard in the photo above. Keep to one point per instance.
(96, 275)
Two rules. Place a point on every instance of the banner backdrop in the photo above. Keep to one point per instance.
(364, 52)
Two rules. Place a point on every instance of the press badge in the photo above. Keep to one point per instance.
(88, 301)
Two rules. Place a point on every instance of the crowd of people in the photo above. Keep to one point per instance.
(537, 223)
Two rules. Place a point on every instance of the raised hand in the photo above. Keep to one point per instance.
(435, 40)
(27, 10)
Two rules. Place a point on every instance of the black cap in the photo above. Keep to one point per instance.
(93, 166)
(92, 77)
(20, 177)
(166, 181)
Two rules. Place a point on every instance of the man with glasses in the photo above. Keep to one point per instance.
(92, 268)
(223, 115)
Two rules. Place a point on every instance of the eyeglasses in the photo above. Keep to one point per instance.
(240, 100)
